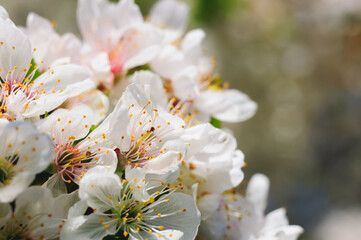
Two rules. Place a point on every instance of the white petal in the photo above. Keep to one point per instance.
(224, 174)
(34, 23)
(99, 64)
(63, 124)
(33, 150)
(56, 185)
(61, 50)
(108, 160)
(208, 205)
(15, 50)
(41, 33)
(18, 184)
(101, 169)
(100, 137)
(160, 235)
(226, 105)
(87, 228)
(169, 177)
(60, 205)
(163, 163)
(32, 195)
(3, 13)
(3, 123)
(16, 102)
(74, 80)
(169, 62)
(120, 121)
(213, 155)
(129, 13)
(172, 15)
(236, 172)
(100, 190)
(192, 45)
(276, 218)
(101, 20)
(145, 45)
(257, 191)
(276, 226)
(291, 232)
(251, 219)
(135, 178)
(186, 222)
(213, 229)
(5, 213)
(185, 84)
(216, 141)
(156, 89)
(78, 209)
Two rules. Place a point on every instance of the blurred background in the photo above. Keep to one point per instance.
(301, 62)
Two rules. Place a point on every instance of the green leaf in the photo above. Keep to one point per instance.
(216, 123)
(214, 11)
(51, 169)
(92, 128)
(144, 67)
(31, 70)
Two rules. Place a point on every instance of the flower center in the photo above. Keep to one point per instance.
(71, 163)
(125, 48)
(140, 150)
(6, 172)
(13, 230)
(128, 214)
(21, 83)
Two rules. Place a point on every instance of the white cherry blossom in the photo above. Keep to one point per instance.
(37, 215)
(192, 81)
(75, 150)
(234, 217)
(22, 95)
(119, 30)
(24, 152)
(94, 99)
(161, 214)
(55, 49)
(212, 160)
(146, 136)
(172, 17)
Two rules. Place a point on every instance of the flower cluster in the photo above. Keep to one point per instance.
(110, 136)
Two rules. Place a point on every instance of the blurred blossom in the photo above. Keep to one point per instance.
(337, 8)
(287, 123)
(301, 62)
(340, 224)
(297, 61)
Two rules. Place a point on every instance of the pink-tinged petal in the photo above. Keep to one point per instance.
(101, 22)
